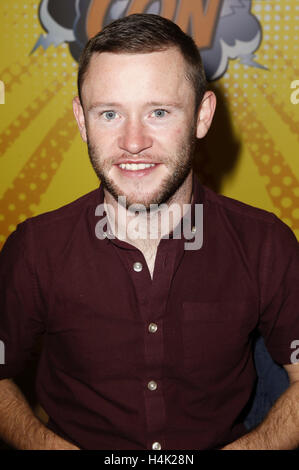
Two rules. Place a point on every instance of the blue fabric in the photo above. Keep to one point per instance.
(272, 382)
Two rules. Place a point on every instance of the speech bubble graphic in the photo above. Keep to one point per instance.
(57, 34)
(237, 33)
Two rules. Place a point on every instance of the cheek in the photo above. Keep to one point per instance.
(100, 138)
(170, 137)
(179, 137)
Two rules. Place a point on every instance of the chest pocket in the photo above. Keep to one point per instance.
(216, 335)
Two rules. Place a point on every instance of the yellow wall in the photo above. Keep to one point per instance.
(251, 154)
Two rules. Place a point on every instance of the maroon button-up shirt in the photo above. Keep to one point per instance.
(99, 354)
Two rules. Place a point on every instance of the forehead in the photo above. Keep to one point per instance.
(116, 76)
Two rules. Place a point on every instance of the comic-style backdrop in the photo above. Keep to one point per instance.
(250, 54)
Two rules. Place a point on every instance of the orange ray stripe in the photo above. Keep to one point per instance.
(288, 67)
(11, 77)
(21, 199)
(278, 105)
(281, 183)
(23, 120)
(291, 67)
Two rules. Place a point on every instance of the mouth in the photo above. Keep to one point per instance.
(137, 169)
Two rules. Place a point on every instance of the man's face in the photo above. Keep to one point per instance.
(139, 123)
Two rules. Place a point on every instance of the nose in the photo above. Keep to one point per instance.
(135, 137)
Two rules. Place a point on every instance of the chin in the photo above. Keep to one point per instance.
(139, 194)
(133, 201)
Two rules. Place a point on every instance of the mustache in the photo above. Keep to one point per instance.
(142, 157)
(125, 157)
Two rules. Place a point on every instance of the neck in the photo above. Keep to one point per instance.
(145, 229)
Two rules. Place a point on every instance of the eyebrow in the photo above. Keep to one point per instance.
(157, 104)
(161, 104)
(102, 105)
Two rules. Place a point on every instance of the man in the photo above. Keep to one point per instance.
(147, 342)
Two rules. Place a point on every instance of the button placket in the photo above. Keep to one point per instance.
(152, 327)
(152, 385)
(137, 266)
(154, 346)
(156, 446)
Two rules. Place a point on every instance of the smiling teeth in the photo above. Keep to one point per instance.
(135, 166)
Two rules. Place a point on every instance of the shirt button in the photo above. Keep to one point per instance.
(152, 327)
(137, 267)
(193, 230)
(156, 446)
(152, 385)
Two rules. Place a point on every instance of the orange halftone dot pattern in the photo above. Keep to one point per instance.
(293, 70)
(13, 74)
(277, 102)
(21, 199)
(275, 99)
(280, 107)
(280, 182)
(20, 124)
(16, 72)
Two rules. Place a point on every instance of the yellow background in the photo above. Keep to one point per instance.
(253, 148)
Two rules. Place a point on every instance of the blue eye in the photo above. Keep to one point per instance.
(160, 113)
(109, 115)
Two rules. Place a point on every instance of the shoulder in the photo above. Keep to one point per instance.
(65, 214)
(234, 208)
(52, 231)
(250, 223)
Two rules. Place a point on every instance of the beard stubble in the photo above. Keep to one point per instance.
(180, 165)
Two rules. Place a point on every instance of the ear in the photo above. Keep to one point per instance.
(205, 114)
(79, 115)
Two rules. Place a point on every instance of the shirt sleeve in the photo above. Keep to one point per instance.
(20, 309)
(279, 318)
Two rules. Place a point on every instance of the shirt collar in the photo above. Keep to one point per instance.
(197, 198)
